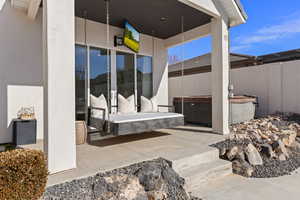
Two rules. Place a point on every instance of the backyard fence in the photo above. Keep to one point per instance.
(277, 85)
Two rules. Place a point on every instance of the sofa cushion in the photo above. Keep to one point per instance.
(99, 102)
(149, 105)
(126, 105)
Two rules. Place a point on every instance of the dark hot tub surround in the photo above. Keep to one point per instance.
(198, 109)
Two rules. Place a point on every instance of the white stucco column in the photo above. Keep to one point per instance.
(220, 76)
(59, 84)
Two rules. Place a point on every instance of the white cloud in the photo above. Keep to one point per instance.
(279, 31)
(289, 27)
(258, 38)
(239, 48)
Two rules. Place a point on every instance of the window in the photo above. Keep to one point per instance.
(98, 71)
(125, 74)
(144, 77)
(131, 75)
(80, 81)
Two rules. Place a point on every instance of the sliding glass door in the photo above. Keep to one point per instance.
(98, 77)
(144, 77)
(128, 74)
(80, 82)
(125, 65)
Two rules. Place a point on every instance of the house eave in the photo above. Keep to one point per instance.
(241, 8)
(30, 7)
(234, 11)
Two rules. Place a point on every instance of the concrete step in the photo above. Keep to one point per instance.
(206, 155)
(201, 174)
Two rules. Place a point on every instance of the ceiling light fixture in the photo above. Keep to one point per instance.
(163, 19)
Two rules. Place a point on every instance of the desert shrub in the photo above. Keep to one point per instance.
(23, 174)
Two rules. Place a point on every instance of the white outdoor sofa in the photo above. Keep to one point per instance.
(132, 123)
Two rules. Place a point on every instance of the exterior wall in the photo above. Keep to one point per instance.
(21, 72)
(21, 75)
(275, 84)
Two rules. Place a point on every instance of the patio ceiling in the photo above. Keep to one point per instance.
(160, 18)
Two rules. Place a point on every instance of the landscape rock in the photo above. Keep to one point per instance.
(253, 155)
(295, 146)
(241, 155)
(280, 148)
(150, 177)
(275, 138)
(288, 137)
(120, 186)
(243, 168)
(150, 180)
(267, 150)
(222, 151)
(282, 157)
(232, 152)
(296, 128)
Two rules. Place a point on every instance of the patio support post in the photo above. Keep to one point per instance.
(59, 84)
(220, 76)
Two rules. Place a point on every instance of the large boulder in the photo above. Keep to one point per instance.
(119, 186)
(243, 168)
(296, 128)
(232, 152)
(288, 137)
(253, 155)
(150, 176)
(150, 180)
(295, 146)
(280, 148)
(267, 150)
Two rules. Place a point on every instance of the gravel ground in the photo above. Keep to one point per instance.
(271, 167)
(276, 168)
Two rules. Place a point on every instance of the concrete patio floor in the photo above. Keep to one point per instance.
(236, 188)
(108, 154)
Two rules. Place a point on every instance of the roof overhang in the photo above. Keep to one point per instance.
(30, 7)
(160, 18)
(234, 11)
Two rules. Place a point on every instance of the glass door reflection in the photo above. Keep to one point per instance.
(80, 82)
(125, 74)
(99, 59)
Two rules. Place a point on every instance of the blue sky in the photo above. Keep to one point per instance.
(272, 26)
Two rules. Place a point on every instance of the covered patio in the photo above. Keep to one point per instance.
(94, 24)
(186, 147)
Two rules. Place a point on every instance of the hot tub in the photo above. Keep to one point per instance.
(198, 109)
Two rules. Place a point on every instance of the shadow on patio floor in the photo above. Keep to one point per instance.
(126, 139)
(194, 129)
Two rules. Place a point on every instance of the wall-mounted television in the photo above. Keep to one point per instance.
(131, 37)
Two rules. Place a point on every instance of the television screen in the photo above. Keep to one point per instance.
(131, 37)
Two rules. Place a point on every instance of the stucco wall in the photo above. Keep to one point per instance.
(275, 84)
(20, 68)
(21, 74)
